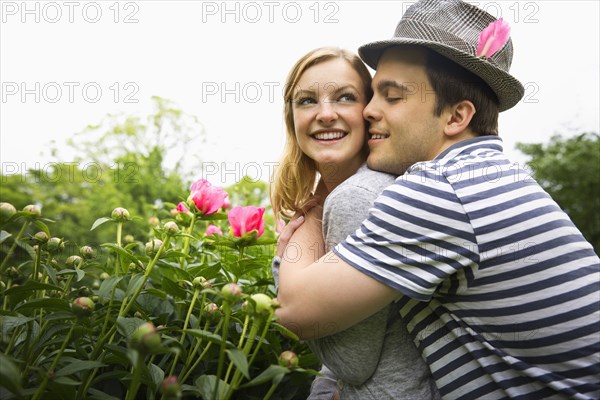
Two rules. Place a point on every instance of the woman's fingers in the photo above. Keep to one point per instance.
(287, 232)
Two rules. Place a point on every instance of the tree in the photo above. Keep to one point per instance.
(124, 161)
(569, 170)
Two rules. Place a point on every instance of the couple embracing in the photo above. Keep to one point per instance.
(420, 276)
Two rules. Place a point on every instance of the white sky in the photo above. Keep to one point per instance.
(226, 63)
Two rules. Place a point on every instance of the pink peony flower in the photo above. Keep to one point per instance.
(226, 203)
(207, 198)
(246, 219)
(181, 207)
(212, 229)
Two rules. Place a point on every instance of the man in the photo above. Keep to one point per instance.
(498, 288)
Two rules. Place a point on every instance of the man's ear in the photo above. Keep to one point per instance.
(459, 117)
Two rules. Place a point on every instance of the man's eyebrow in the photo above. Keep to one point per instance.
(387, 84)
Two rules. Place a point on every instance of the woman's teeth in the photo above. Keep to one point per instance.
(329, 135)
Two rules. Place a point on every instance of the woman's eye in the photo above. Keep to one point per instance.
(305, 100)
(347, 97)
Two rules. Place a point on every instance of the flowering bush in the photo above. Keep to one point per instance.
(182, 313)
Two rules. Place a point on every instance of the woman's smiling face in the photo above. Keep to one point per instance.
(327, 107)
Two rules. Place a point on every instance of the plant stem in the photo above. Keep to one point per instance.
(186, 241)
(189, 371)
(271, 391)
(134, 385)
(227, 311)
(185, 324)
(110, 334)
(13, 247)
(36, 262)
(40, 390)
(118, 259)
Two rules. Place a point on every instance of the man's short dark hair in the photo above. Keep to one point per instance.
(453, 83)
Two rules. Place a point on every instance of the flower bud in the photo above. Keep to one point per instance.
(120, 214)
(73, 261)
(40, 237)
(104, 276)
(211, 310)
(145, 338)
(33, 209)
(201, 282)
(87, 252)
(262, 303)
(7, 210)
(96, 284)
(171, 228)
(12, 273)
(288, 359)
(85, 291)
(138, 314)
(153, 221)
(170, 387)
(153, 246)
(83, 306)
(275, 304)
(129, 239)
(55, 245)
(231, 291)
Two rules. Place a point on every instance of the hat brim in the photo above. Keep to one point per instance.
(507, 88)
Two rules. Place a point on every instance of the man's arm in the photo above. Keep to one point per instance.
(322, 297)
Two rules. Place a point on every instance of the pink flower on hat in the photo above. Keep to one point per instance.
(493, 38)
(246, 219)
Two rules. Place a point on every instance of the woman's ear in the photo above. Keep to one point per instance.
(459, 118)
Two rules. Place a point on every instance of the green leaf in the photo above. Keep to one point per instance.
(107, 286)
(10, 375)
(46, 304)
(285, 331)
(76, 366)
(212, 217)
(51, 273)
(135, 282)
(157, 375)
(3, 236)
(28, 288)
(239, 360)
(270, 374)
(126, 326)
(8, 323)
(42, 226)
(173, 288)
(96, 394)
(206, 386)
(128, 255)
(100, 221)
(211, 337)
(65, 380)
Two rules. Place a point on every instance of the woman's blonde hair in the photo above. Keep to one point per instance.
(295, 177)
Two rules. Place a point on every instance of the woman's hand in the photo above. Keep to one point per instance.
(312, 208)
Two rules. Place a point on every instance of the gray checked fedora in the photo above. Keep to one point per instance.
(451, 28)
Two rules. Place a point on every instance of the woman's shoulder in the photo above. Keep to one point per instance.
(367, 179)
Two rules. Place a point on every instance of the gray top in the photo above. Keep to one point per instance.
(376, 358)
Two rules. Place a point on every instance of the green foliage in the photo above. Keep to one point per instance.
(147, 320)
(569, 170)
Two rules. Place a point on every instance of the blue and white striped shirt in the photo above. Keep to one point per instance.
(502, 292)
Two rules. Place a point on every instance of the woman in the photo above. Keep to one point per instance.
(324, 159)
